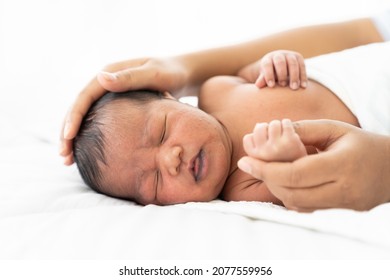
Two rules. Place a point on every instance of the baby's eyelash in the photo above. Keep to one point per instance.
(157, 181)
(165, 129)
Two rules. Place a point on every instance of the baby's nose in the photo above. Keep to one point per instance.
(172, 160)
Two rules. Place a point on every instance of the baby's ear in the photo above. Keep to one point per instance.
(168, 95)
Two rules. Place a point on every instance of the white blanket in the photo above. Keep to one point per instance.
(360, 77)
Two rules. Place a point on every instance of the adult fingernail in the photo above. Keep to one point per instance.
(61, 149)
(67, 130)
(67, 161)
(108, 76)
(304, 84)
(270, 83)
(244, 166)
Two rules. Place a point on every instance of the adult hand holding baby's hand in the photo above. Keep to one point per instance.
(285, 68)
(152, 73)
(351, 170)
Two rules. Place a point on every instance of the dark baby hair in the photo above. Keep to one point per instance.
(89, 144)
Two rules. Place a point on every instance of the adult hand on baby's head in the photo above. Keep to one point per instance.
(281, 67)
(151, 73)
(352, 169)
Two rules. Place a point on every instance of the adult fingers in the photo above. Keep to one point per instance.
(301, 193)
(122, 80)
(90, 94)
(306, 172)
(69, 159)
(321, 133)
(309, 199)
(66, 147)
(128, 79)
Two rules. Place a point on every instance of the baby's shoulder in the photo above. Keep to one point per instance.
(216, 92)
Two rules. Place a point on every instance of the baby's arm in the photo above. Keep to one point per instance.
(281, 66)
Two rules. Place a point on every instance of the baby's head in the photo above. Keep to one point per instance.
(148, 147)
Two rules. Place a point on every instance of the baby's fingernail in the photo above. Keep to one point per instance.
(294, 85)
(260, 125)
(244, 166)
(108, 76)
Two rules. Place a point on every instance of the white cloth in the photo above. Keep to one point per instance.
(360, 77)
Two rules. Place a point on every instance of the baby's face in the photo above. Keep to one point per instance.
(165, 153)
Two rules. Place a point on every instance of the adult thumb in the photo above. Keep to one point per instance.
(124, 80)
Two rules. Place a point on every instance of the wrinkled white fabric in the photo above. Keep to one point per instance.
(360, 77)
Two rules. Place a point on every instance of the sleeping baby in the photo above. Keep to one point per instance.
(148, 147)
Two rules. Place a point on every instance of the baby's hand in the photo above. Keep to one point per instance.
(283, 67)
(274, 141)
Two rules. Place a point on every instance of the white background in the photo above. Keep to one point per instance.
(50, 49)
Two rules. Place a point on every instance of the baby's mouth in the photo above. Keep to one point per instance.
(197, 165)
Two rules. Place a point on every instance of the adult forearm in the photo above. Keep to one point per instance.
(309, 41)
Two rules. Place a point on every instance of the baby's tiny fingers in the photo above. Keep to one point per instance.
(260, 82)
(302, 71)
(293, 71)
(260, 134)
(267, 70)
(280, 65)
(274, 130)
(248, 143)
(288, 127)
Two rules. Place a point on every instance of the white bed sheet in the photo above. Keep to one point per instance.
(47, 212)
